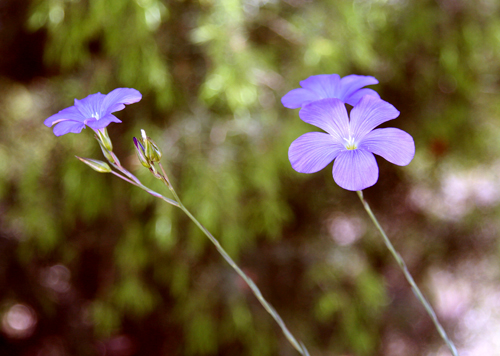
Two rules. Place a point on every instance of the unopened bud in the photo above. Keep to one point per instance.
(96, 165)
(155, 155)
(151, 150)
(140, 153)
(104, 138)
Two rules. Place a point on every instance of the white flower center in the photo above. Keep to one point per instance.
(350, 144)
(95, 115)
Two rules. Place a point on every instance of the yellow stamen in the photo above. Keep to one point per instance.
(350, 144)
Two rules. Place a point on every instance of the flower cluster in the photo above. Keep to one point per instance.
(349, 142)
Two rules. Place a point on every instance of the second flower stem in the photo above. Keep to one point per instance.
(409, 278)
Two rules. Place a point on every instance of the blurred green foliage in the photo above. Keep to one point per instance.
(212, 74)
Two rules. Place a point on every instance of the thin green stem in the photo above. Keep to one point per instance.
(158, 195)
(116, 163)
(138, 183)
(123, 177)
(409, 278)
(256, 291)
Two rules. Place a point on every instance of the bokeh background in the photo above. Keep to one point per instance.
(90, 265)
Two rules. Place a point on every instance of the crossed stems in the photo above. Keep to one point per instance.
(130, 178)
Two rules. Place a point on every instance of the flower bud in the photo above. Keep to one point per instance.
(155, 155)
(104, 138)
(140, 153)
(151, 150)
(96, 165)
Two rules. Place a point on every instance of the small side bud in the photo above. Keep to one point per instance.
(151, 149)
(155, 154)
(104, 138)
(96, 165)
(140, 153)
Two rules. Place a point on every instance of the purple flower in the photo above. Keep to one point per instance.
(351, 143)
(94, 111)
(317, 87)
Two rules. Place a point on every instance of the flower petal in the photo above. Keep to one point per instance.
(329, 115)
(67, 126)
(116, 99)
(393, 144)
(324, 85)
(102, 122)
(312, 151)
(369, 113)
(297, 98)
(355, 169)
(90, 106)
(351, 83)
(70, 113)
(357, 95)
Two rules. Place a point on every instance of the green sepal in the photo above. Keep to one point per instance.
(96, 165)
(143, 159)
(151, 149)
(156, 155)
(107, 154)
(139, 148)
(103, 136)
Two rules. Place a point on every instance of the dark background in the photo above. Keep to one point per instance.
(90, 265)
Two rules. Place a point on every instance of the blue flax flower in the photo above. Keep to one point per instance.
(94, 111)
(351, 143)
(348, 89)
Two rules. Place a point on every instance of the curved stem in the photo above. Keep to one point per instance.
(255, 290)
(409, 278)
